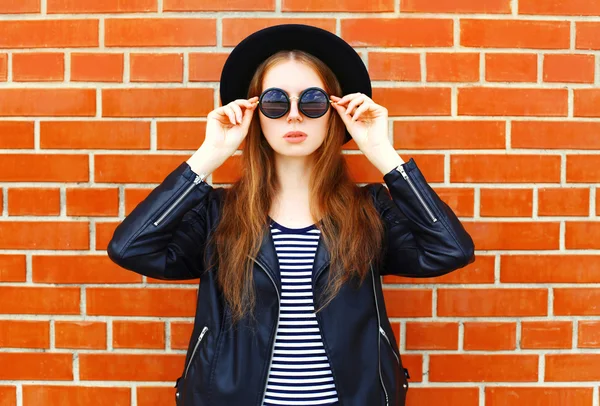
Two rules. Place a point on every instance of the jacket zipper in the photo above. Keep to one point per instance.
(197, 180)
(276, 328)
(204, 330)
(416, 192)
(389, 343)
(387, 401)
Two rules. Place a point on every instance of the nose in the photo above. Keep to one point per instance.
(294, 113)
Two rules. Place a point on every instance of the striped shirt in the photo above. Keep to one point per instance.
(300, 373)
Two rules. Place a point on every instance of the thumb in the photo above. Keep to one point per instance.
(247, 116)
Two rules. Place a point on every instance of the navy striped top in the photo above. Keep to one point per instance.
(300, 373)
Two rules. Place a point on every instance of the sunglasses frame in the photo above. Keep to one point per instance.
(289, 99)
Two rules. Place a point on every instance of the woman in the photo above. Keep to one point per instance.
(290, 307)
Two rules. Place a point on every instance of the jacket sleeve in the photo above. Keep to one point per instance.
(424, 238)
(164, 236)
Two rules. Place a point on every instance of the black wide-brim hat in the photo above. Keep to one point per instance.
(336, 53)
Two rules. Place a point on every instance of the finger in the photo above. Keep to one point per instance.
(353, 103)
(238, 111)
(230, 113)
(341, 111)
(348, 97)
(362, 108)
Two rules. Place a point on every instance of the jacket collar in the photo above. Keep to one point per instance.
(267, 257)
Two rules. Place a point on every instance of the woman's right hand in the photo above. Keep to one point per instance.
(228, 125)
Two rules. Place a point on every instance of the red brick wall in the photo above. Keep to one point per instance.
(497, 101)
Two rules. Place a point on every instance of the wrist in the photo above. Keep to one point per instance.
(385, 159)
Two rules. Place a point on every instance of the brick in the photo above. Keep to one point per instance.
(512, 102)
(3, 67)
(236, 29)
(448, 396)
(358, 6)
(156, 68)
(206, 66)
(431, 336)
(515, 235)
(79, 269)
(33, 201)
(452, 67)
(138, 334)
(80, 335)
(159, 302)
(96, 67)
(394, 66)
(414, 364)
(155, 102)
(181, 333)
(408, 302)
(456, 6)
(160, 32)
(506, 202)
(483, 368)
(126, 168)
(105, 6)
(576, 302)
(434, 101)
(62, 33)
(36, 366)
(490, 168)
(542, 396)
(555, 135)
(569, 68)
(133, 196)
(563, 202)
(149, 396)
(515, 34)
(41, 167)
(24, 334)
(490, 336)
(92, 201)
(38, 66)
(580, 168)
(559, 7)
(449, 134)
(572, 367)
(180, 135)
(398, 32)
(8, 396)
(586, 35)
(585, 103)
(588, 334)
(19, 7)
(12, 268)
(130, 367)
(34, 395)
(98, 135)
(51, 235)
(104, 233)
(546, 334)
(16, 134)
(507, 302)
(47, 102)
(510, 67)
(562, 268)
(40, 300)
(582, 235)
(209, 5)
(480, 271)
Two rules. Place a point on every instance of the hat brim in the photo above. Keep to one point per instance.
(336, 53)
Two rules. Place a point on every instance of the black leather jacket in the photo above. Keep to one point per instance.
(164, 238)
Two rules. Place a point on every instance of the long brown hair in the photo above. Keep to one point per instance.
(351, 227)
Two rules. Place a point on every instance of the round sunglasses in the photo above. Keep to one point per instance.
(313, 102)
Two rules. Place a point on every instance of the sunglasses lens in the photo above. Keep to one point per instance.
(314, 103)
(274, 103)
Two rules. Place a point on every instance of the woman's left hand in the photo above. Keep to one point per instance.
(365, 120)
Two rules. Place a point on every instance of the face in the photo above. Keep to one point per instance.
(293, 77)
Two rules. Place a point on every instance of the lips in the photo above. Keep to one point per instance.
(294, 134)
